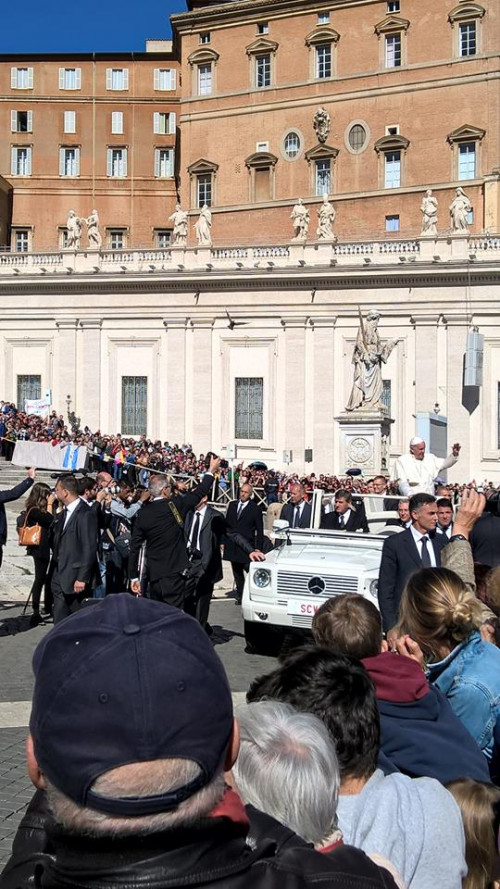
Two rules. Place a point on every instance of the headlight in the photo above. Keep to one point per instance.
(261, 577)
(373, 587)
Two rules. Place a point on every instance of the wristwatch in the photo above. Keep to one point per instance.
(457, 537)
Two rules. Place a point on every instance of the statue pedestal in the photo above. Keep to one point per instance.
(364, 441)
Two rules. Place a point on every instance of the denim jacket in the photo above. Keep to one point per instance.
(470, 678)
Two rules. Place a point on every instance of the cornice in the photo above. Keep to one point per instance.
(187, 21)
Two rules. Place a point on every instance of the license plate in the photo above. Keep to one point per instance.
(305, 607)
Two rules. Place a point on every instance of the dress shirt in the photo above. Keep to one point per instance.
(297, 513)
(70, 508)
(241, 507)
(345, 516)
(195, 544)
(446, 531)
(417, 536)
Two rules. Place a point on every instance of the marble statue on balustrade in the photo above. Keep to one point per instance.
(460, 208)
(300, 220)
(203, 226)
(180, 230)
(74, 231)
(429, 208)
(370, 353)
(326, 218)
(93, 234)
(321, 124)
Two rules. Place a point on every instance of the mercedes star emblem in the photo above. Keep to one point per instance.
(316, 585)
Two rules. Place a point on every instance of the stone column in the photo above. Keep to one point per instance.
(202, 385)
(323, 455)
(88, 396)
(174, 386)
(459, 419)
(295, 391)
(65, 375)
(426, 361)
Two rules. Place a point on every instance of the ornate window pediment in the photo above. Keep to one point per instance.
(465, 133)
(322, 35)
(261, 45)
(391, 143)
(465, 12)
(202, 166)
(321, 152)
(261, 159)
(390, 24)
(203, 56)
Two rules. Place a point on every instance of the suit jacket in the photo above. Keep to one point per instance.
(400, 559)
(249, 525)
(8, 497)
(484, 540)
(213, 532)
(288, 513)
(74, 547)
(155, 524)
(355, 522)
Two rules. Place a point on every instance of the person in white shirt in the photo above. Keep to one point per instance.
(415, 472)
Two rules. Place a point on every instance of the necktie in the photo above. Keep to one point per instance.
(296, 518)
(195, 532)
(426, 559)
(238, 512)
(341, 521)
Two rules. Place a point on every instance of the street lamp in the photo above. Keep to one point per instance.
(68, 404)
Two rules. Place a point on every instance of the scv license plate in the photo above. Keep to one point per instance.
(305, 606)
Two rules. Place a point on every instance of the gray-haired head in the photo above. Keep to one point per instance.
(287, 767)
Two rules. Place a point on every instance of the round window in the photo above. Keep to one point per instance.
(292, 145)
(357, 137)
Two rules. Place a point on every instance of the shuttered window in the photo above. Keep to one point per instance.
(249, 393)
(29, 386)
(134, 405)
(164, 79)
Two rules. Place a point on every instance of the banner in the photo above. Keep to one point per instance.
(59, 457)
(38, 406)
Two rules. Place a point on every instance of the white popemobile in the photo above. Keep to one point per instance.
(308, 567)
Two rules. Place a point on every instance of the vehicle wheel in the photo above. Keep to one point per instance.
(262, 639)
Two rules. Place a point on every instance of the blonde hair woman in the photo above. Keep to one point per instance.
(476, 801)
(440, 615)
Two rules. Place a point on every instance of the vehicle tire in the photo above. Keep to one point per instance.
(263, 639)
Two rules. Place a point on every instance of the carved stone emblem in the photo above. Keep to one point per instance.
(321, 124)
(359, 450)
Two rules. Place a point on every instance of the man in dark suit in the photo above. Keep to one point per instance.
(297, 512)
(244, 517)
(205, 528)
(404, 520)
(345, 516)
(485, 540)
(417, 547)
(9, 497)
(380, 488)
(160, 525)
(74, 563)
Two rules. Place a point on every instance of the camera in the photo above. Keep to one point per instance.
(112, 489)
(493, 504)
(208, 458)
(224, 464)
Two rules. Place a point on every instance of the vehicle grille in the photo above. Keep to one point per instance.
(294, 583)
(299, 621)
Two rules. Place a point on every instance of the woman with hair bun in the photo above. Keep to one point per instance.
(444, 618)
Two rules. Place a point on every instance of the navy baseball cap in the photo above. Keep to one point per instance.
(123, 681)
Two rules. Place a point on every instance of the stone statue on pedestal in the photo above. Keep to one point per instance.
(180, 230)
(300, 219)
(74, 229)
(203, 226)
(93, 233)
(369, 355)
(460, 207)
(428, 208)
(321, 124)
(326, 218)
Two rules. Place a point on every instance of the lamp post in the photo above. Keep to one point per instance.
(68, 405)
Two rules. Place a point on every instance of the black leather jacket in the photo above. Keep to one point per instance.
(213, 853)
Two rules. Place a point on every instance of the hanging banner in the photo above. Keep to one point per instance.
(43, 455)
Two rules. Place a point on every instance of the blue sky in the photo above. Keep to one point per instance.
(50, 26)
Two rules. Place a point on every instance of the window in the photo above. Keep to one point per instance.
(357, 137)
(262, 146)
(117, 122)
(263, 28)
(164, 79)
(292, 145)
(386, 395)
(117, 78)
(204, 189)
(21, 240)
(393, 51)
(393, 6)
(205, 37)
(467, 160)
(164, 123)
(69, 162)
(21, 78)
(116, 238)
(392, 169)
(392, 223)
(205, 80)
(29, 386)
(63, 237)
(70, 78)
(21, 121)
(249, 407)
(323, 18)
(21, 161)
(323, 61)
(162, 238)
(117, 162)
(261, 166)
(263, 70)
(323, 176)
(467, 38)
(164, 163)
(392, 130)
(134, 405)
(69, 122)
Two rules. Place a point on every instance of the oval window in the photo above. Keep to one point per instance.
(292, 145)
(357, 137)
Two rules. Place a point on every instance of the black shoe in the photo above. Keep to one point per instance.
(45, 615)
(35, 619)
(209, 630)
